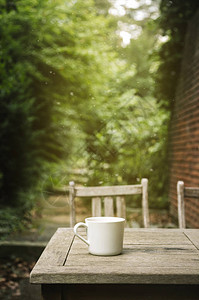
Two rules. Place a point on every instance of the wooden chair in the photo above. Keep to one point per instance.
(183, 192)
(107, 192)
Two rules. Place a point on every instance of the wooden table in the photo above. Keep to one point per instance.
(155, 264)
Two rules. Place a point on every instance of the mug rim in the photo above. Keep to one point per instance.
(105, 219)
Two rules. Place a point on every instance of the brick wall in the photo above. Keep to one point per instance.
(184, 132)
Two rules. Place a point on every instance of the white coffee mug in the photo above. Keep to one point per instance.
(104, 234)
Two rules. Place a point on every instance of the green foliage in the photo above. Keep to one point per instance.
(11, 221)
(74, 102)
(23, 148)
(50, 68)
(123, 135)
(174, 17)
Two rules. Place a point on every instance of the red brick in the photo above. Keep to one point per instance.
(184, 131)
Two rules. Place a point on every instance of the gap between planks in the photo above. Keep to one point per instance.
(68, 251)
(196, 246)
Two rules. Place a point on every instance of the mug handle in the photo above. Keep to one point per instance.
(79, 236)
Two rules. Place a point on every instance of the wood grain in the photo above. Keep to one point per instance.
(167, 256)
(121, 207)
(55, 252)
(96, 207)
(117, 275)
(108, 207)
(193, 235)
(97, 191)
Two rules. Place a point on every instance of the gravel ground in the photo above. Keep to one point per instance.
(14, 280)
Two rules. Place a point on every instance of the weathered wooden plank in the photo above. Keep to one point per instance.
(96, 207)
(149, 256)
(138, 255)
(56, 250)
(108, 190)
(114, 274)
(108, 207)
(120, 207)
(191, 192)
(181, 211)
(151, 237)
(143, 241)
(79, 248)
(144, 260)
(155, 238)
(155, 229)
(193, 235)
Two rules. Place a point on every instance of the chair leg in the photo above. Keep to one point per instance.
(145, 207)
(72, 203)
(181, 212)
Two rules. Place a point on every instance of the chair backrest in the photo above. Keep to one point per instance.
(183, 192)
(108, 192)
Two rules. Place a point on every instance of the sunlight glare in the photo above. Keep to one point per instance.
(126, 38)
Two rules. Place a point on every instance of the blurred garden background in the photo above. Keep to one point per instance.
(86, 94)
